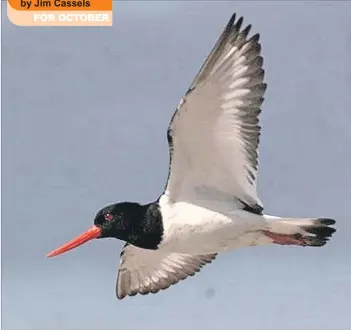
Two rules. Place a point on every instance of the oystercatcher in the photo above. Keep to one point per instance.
(210, 203)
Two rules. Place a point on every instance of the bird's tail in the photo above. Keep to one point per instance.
(299, 231)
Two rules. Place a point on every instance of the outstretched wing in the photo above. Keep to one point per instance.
(144, 271)
(214, 134)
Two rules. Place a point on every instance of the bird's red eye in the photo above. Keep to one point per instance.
(108, 217)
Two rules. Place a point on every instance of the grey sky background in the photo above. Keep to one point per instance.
(84, 118)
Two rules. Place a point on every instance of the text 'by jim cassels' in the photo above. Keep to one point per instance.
(50, 4)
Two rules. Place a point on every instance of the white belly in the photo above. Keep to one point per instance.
(195, 229)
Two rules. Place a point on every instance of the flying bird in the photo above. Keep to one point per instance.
(210, 203)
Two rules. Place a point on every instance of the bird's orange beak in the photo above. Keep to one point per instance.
(90, 234)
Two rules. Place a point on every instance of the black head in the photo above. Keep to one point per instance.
(119, 220)
(140, 225)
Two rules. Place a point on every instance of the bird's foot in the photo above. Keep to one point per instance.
(284, 239)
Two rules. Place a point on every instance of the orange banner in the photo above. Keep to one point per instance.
(46, 5)
(59, 17)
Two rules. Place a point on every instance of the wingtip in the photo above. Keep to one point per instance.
(239, 23)
(120, 295)
(230, 23)
(246, 31)
(233, 22)
(327, 221)
(255, 37)
(232, 19)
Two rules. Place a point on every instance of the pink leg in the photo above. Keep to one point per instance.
(284, 239)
